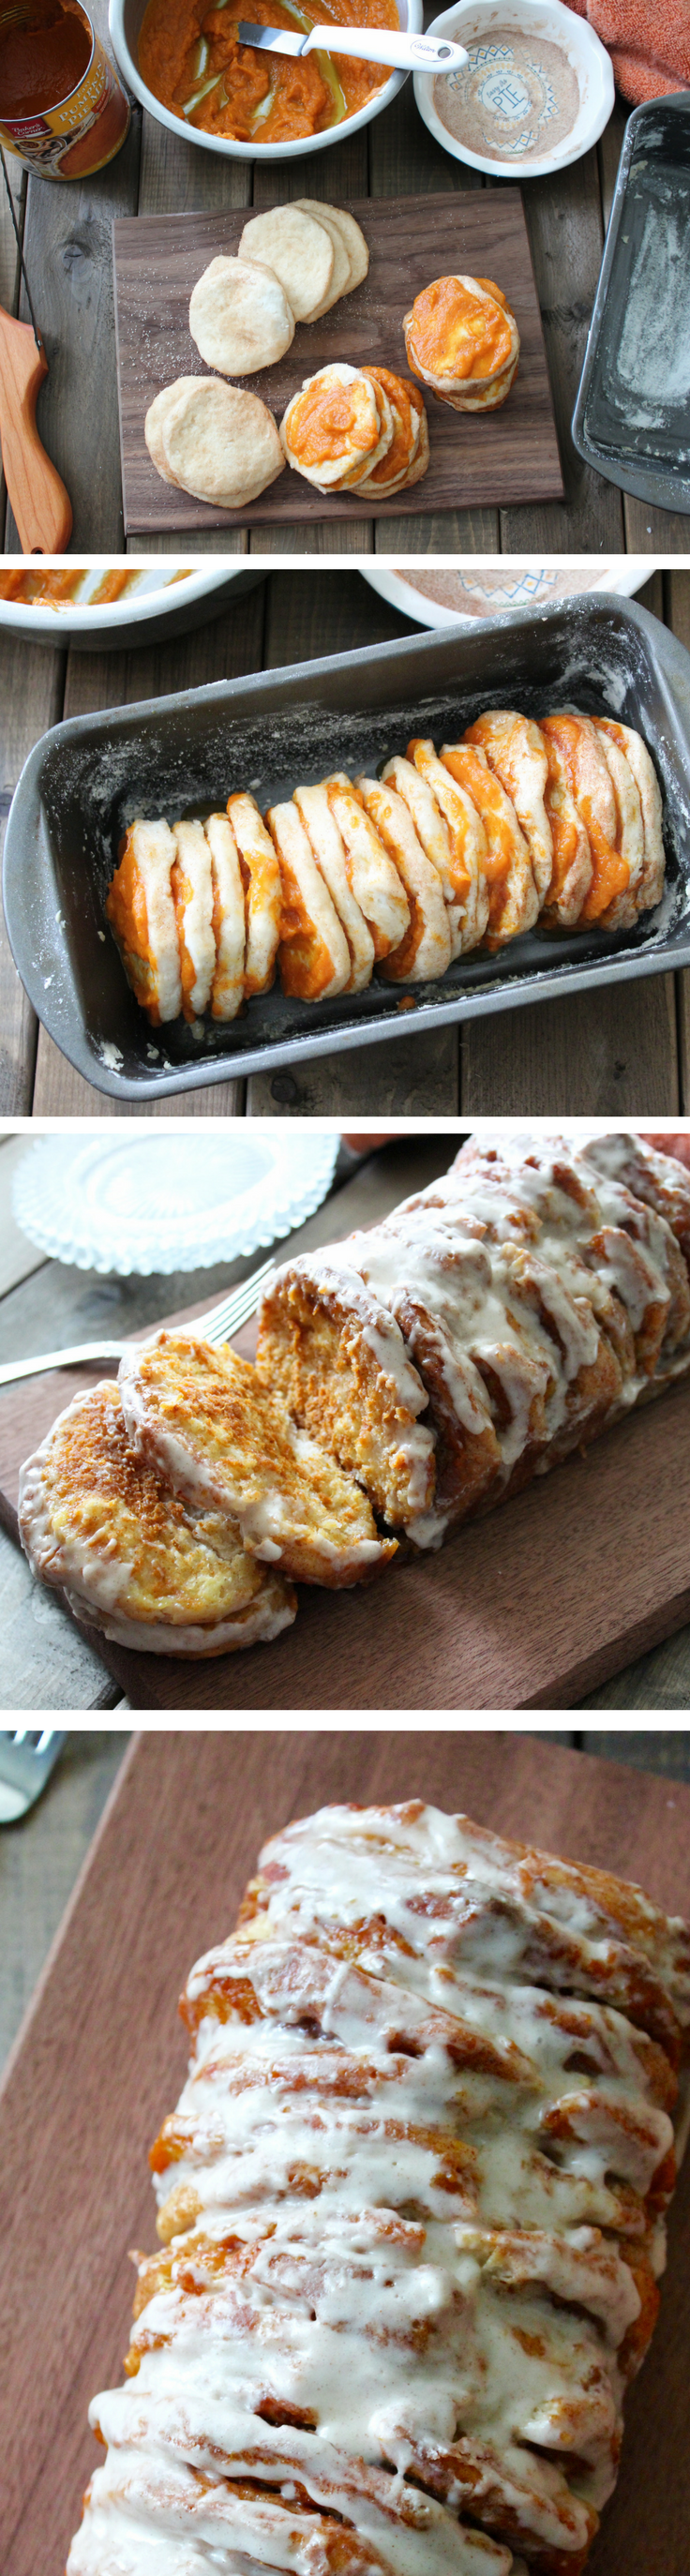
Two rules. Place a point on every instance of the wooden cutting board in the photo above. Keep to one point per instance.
(510, 455)
(102, 2058)
(530, 1608)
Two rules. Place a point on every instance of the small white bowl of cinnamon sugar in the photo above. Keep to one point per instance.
(536, 93)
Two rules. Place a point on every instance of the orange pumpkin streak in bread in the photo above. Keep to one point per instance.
(313, 955)
(306, 965)
(486, 794)
(404, 427)
(456, 829)
(260, 875)
(181, 891)
(515, 751)
(610, 871)
(564, 833)
(140, 910)
(456, 333)
(126, 909)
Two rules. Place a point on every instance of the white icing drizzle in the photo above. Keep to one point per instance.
(601, 1239)
(402, 2193)
(535, 1295)
(474, 1291)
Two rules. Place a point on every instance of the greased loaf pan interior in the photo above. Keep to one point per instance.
(89, 777)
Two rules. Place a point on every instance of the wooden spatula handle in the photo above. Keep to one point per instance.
(41, 506)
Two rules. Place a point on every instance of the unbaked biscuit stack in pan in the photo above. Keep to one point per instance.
(411, 2211)
(401, 873)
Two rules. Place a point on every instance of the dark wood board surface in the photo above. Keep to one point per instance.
(529, 1608)
(101, 2059)
(507, 456)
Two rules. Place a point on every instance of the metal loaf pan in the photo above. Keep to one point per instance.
(86, 779)
(632, 416)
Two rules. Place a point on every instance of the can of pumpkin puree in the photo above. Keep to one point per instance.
(63, 110)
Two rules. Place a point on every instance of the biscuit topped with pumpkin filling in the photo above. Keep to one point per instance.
(333, 431)
(463, 340)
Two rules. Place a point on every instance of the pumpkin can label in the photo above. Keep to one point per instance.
(81, 132)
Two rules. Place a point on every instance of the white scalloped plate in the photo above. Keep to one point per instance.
(182, 1201)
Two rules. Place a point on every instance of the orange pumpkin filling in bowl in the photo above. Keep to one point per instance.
(191, 58)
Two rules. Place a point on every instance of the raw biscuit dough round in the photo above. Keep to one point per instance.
(153, 425)
(221, 444)
(350, 234)
(240, 317)
(342, 265)
(300, 252)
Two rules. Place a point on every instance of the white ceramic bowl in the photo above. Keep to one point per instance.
(547, 18)
(125, 20)
(531, 585)
(159, 606)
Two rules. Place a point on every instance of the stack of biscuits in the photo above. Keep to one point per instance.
(213, 440)
(293, 263)
(399, 873)
(463, 340)
(360, 429)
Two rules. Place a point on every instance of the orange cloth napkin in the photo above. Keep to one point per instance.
(649, 44)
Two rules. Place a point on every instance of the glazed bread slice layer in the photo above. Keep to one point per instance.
(521, 1305)
(203, 1420)
(157, 1573)
(411, 2216)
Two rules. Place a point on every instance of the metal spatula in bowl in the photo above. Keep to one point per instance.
(368, 44)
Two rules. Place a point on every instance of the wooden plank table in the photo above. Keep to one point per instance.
(67, 246)
(616, 1050)
(47, 1662)
(102, 2057)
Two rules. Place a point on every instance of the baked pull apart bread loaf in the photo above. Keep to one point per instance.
(479, 1334)
(411, 2212)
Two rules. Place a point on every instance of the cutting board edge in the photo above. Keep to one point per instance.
(659, 1620)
